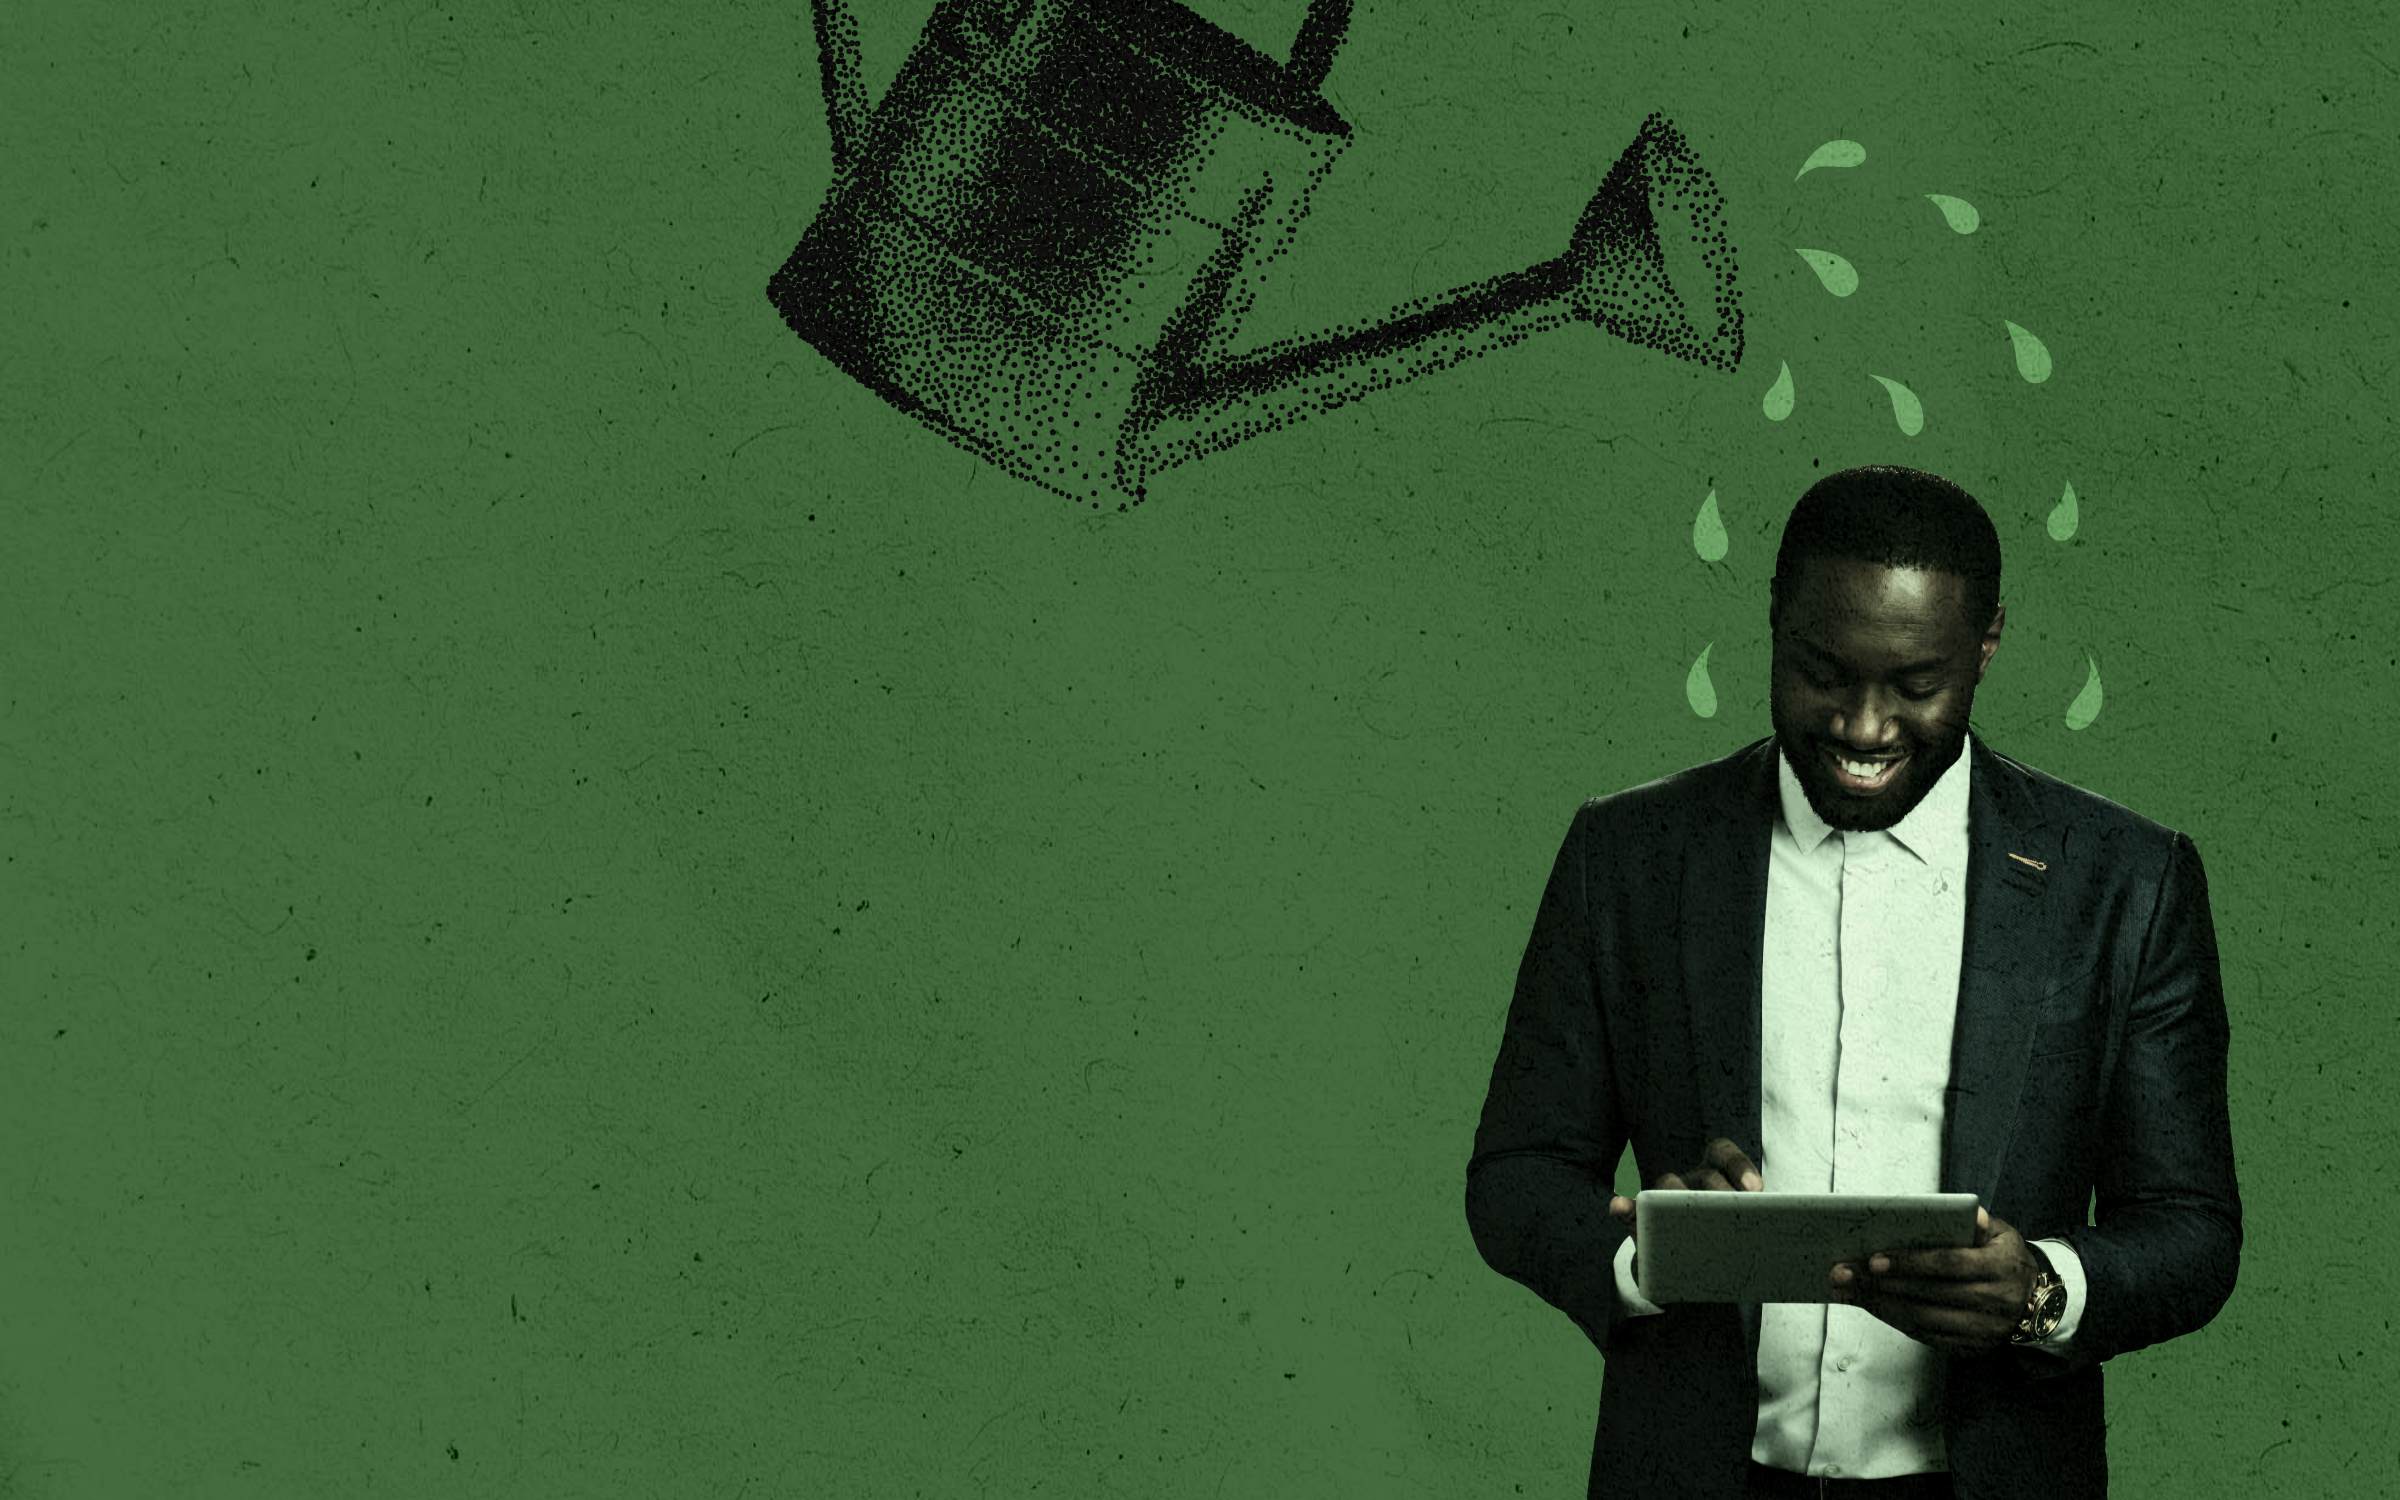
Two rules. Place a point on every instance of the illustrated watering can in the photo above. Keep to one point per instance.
(1044, 239)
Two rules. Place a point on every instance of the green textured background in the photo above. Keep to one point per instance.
(588, 910)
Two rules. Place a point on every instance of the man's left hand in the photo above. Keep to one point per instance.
(1966, 1301)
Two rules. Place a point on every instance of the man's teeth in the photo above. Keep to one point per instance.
(1867, 770)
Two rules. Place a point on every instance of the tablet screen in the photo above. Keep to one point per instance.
(1779, 1247)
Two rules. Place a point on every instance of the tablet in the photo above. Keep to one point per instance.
(1778, 1247)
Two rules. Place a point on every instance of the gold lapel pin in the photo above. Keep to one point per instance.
(2021, 859)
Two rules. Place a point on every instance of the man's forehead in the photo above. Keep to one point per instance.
(1851, 576)
(1844, 588)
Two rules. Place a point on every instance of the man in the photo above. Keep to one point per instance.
(1870, 955)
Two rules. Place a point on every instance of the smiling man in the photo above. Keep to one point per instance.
(1871, 955)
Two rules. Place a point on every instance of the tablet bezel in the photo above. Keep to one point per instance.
(1717, 1246)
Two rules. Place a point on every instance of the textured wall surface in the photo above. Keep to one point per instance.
(585, 909)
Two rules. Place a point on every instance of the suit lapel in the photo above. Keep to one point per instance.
(1724, 902)
(2003, 963)
(1723, 931)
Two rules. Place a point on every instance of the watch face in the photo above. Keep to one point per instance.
(2046, 1306)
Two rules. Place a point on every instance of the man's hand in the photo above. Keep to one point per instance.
(1723, 1168)
(1966, 1301)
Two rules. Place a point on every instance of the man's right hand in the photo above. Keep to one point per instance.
(1723, 1169)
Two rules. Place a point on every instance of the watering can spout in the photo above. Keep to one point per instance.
(1648, 262)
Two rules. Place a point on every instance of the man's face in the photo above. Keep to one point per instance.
(1875, 671)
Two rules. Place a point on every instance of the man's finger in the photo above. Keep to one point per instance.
(1728, 1159)
(1989, 1296)
(1932, 1323)
(1855, 1283)
(1621, 1208)
(1945, 1265)
(1702, 1180)
(1935, 1324)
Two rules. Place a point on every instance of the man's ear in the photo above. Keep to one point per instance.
(1991, 641)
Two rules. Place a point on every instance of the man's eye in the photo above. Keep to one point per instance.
(1918, 692)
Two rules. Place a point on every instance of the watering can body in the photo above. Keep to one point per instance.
(1029, 206)
(1043, 238)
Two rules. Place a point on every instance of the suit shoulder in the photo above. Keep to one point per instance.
(2087, 814)
(1680, 797)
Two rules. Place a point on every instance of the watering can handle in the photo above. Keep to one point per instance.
(838, 75)
(845, 92)
(1320, 38)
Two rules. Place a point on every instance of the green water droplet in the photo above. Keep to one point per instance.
(1907, 410)
(1708, 531)
(1957, 212)
(1698, 691)
(2064, 515)
(2086, 706)
(1778, 403)
(2033, 357)
(1839, 276)
(1832, 154)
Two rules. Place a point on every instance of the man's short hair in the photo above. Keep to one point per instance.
(1895, 518)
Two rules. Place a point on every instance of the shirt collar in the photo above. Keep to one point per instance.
(1935, 830)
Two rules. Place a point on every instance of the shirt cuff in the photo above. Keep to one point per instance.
(1630, 1297)
(2069, 1268)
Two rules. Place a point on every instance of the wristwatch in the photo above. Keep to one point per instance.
(2043, 1307)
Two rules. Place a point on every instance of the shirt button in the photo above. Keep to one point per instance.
(1843, 1365)
(1833, 1471)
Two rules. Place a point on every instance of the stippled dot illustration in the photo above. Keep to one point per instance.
(1044, 239)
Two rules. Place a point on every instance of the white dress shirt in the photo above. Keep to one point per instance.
(1858, 991)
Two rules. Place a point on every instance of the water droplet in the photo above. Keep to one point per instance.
(1957, 212)
(1839, 276)
(1708, 531)
(1778, 403)
(2064, 515)
(2086, 706)
(1832, 154)
(2033, 357)
(1907, 410)
(1698, 691)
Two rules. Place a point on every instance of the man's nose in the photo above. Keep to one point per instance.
(1864, 720)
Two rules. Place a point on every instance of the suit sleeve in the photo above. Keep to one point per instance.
(1545, 1155)
(2163, 1255)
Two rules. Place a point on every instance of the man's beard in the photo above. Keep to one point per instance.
(1926, 760)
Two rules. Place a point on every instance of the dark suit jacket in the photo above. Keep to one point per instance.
(2088, 1059)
